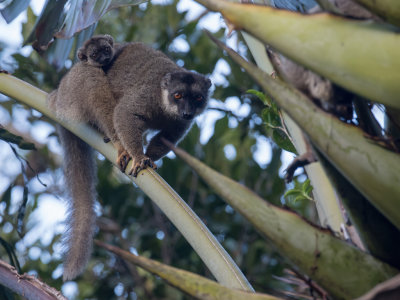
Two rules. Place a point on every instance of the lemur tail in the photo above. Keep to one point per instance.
(80, 178)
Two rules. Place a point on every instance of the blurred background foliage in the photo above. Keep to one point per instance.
(227, 138)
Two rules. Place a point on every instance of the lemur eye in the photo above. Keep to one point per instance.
(178, 96)
(199, 98)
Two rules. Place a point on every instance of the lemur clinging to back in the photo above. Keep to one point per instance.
(124, 92)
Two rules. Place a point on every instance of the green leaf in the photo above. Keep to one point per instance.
(15, 139)
(306, 187)
(261, 96)
(299, 198)
(283, 141)
(300, 192)
(275, 107)
(271, 118)
(292, 192)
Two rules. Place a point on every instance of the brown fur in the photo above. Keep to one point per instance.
(84, 93)
(141, 105)
(353, 9)
(82, 88)
(139, 89)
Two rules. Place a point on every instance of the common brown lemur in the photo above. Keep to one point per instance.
(124, 90)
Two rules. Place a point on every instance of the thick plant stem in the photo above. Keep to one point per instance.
(344, 271)
(343, 50)
(325, 198)
(389, 10)
(373, 170)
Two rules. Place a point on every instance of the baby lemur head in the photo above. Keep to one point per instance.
(184, 94)
(98, 51)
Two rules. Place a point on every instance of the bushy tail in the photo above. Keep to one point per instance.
(80, 178)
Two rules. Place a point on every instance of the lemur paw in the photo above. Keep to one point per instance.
(141, 164)
(123, 160)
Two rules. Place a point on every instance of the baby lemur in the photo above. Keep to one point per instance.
(86, 86)
(123, 91)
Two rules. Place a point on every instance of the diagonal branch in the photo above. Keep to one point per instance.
(28, 286)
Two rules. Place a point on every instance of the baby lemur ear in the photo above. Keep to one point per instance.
(81, 54)
(109, 39)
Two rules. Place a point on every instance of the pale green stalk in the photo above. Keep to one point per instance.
(362, 56)
(192, 284)
(388, 10)
(324, 194)
(373, 170)
(343, 270)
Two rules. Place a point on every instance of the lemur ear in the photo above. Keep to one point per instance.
(165, 81)
(81, 54)
(110, 39)
(208, 83)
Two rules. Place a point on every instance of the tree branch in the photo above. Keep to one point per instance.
(26, 285)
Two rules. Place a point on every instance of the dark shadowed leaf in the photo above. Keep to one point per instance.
(120, 3)
(84, 14)
(271, 118)
(283, 141)
(261, 96)
(12, 11)
(15, 139)
(58, 52)
(48, 23)
(81, 15)
(6, 197)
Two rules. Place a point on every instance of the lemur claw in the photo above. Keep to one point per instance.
(123, 160)
(142, 164)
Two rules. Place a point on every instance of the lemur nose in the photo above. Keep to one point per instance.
(187, 116)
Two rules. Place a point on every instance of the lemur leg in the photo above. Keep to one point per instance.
(157, 147)
(130, 127)
(103, 115)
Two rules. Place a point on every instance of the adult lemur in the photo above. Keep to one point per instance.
(138, 89)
